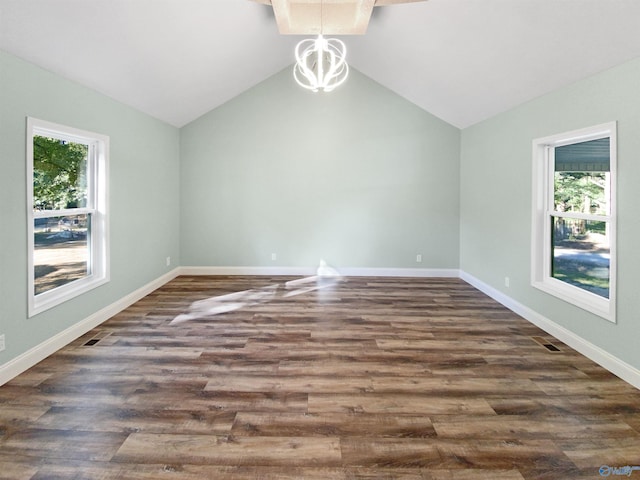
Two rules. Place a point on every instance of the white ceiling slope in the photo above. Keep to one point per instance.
(461, 60)
(172, 59)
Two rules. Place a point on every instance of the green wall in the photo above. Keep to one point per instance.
(359, 177)
(144, 196)
(495, 213)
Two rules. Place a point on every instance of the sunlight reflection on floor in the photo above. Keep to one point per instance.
(326, 277)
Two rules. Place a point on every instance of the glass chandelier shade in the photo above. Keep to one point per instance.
(321, 64)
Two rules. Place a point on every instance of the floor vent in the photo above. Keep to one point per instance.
(96, 338)
(546, 344)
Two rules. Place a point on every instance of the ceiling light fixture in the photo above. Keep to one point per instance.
(321, 63)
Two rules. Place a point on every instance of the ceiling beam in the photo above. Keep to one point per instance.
(329, 17)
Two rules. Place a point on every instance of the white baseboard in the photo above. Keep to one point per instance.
(268, 271)
(307, 271)
(31, 357)
(618, 367)
(401, 272)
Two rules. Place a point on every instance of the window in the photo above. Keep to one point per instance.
(67, 210)
(574, 218)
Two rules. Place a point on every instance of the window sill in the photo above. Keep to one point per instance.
(592, 303)
(50, 299)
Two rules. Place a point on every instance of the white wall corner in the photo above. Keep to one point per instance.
(31, 357)
(618, 367)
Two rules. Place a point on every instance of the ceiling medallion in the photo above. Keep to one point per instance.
(321, 64)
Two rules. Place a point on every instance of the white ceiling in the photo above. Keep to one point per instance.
(462, 60)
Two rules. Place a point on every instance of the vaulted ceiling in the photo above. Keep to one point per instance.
(461, 60)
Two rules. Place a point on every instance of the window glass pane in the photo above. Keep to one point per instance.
(591, 156)
(584, 192)
(581, 179)
(61, 252)
(59, 174)
(581, 254)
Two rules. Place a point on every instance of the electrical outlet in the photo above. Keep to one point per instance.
(274, 256)
(419, 258)
(168, 261)
(506, 281)
(2, 342)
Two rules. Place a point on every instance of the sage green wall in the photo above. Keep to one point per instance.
(359, 177)
(495, 214)
(144, 195)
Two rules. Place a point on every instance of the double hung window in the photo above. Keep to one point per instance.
(67, 209)
(574, 218)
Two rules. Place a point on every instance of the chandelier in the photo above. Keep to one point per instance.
(321, 64)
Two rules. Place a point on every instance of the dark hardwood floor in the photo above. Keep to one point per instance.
(275, 378)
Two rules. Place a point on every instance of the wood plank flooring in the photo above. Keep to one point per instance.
(282, 378)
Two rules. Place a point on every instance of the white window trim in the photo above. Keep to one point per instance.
(97, 207)
(541, 227)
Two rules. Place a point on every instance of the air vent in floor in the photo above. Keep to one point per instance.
(96, 338)
(543, 342)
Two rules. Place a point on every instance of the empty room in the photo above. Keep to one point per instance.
(319, 239)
